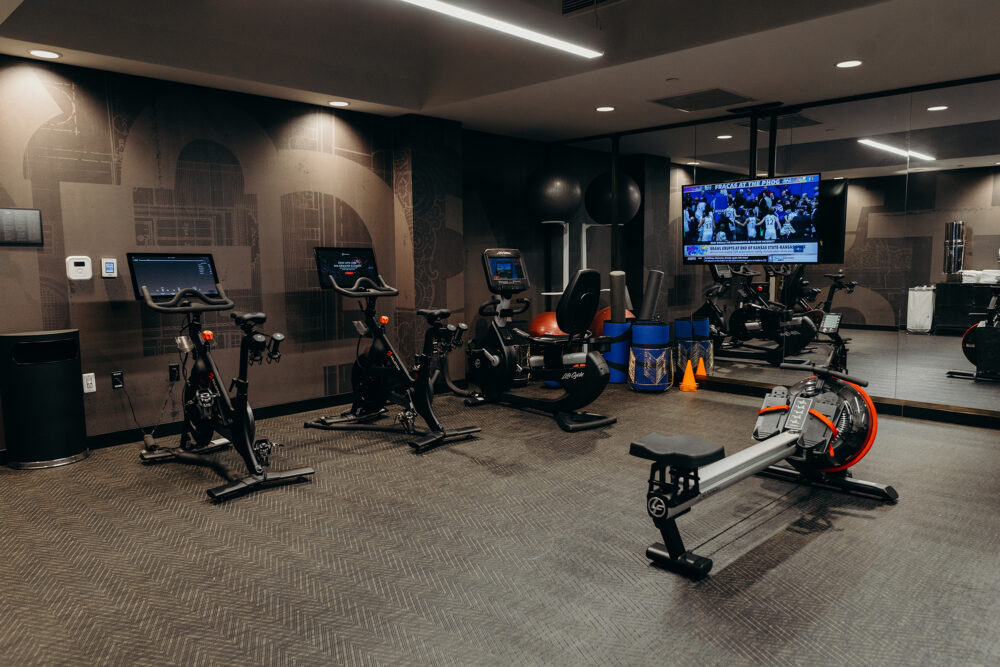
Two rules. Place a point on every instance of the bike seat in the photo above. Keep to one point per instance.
(678, 451)
(834, 276)
(434, 315)
(248, 318)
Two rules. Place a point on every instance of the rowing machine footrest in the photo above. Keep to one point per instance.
(682, 452)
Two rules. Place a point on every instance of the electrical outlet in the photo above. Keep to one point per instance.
(89, 383)
(117, 379)
(175, 372)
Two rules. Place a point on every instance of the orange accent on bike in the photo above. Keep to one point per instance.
(207, 335)
(384, 319)
(773, 408)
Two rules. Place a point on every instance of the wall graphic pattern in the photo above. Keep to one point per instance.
(120, 164)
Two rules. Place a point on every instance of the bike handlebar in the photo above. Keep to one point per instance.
(824, 371)
(358, 289)
(489, 308)
(174, 305)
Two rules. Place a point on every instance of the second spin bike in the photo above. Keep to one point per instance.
(208, 406)
(379, 376)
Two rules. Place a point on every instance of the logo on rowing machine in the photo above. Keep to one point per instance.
(656, 507)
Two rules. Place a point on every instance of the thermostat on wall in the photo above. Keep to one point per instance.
(78, 268)
(109, 267)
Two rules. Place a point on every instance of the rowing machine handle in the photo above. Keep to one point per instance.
(174, 305)
(822, 370)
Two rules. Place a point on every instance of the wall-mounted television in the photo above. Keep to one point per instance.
(753, 221)
(20, 226)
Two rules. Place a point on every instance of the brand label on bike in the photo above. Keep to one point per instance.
(798, 413)
(572, 375)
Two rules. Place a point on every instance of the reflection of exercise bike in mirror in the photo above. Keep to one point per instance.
(208, 406)
(379, 376)
(754, 318)
(500, 362)
(797, 295)
(821, 427)
(981, 343)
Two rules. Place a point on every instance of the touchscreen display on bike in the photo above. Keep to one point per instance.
(166, 274)
(346, 265)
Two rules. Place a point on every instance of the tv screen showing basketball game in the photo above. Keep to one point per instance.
(753, 221)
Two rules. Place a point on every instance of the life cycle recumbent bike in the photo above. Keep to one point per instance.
(378, 375)
(821, 426)
(208, 406)
(501, 361)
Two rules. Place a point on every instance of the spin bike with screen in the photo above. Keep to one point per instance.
(379, 376)
(187, 284)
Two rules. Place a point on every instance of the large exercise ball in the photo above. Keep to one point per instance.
(598, 199)
(545, 324)
(553, 195)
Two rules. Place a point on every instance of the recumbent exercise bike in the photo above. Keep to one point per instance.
(498, 363)
(379, 375)
(821, 427)
(208, 406)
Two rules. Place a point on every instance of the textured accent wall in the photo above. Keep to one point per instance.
(119, 164)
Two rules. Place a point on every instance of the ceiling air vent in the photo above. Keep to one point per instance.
(703, 99)
(784, 122)
(570, 6)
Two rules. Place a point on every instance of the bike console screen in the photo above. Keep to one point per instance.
(346, 265)
(166, 274)
(830, 323)
(505, 270)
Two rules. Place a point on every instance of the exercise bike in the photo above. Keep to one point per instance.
(502, 361)
(379, 376)
(981, 343)
(797, 295)
(753, 318)
(821, 427)
(208, 406)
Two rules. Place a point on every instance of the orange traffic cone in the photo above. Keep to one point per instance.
(701, 373)
(688, 383)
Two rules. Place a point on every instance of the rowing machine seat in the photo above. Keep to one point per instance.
(678, 451)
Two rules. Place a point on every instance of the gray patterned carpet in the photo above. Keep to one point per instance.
(522, 547)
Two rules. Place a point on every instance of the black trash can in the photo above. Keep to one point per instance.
(41, 399)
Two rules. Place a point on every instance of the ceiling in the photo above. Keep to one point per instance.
(388, 57)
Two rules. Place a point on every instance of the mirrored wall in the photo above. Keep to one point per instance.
(908, 164)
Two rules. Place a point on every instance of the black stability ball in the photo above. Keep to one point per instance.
(553, 195)
(598, 199)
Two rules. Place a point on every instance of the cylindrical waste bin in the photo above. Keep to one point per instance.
(41, 399)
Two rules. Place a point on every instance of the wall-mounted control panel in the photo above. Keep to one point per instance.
(109, 267)
(78, 267)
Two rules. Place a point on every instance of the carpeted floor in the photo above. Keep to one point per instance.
(524, 546)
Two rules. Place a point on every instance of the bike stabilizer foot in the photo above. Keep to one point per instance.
(257, 482)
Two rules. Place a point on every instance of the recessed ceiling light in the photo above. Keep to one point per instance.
(724, 136)
(48, 55)
(937, 108)
(892, 149)
(339, 103)
(604, 109)
(502, 26)
(694, 164)
(847, 64)
(838, 178)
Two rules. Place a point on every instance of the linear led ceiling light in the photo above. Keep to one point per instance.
(893, 149)
(505, 27)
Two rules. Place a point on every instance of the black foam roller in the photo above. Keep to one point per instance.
(650, 294)
(617, 297)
